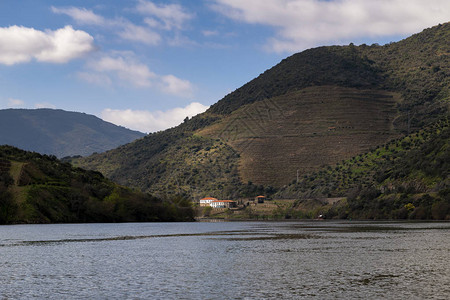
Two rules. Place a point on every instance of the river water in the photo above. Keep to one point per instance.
(226, 260)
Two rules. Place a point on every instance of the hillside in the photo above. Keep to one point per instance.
(405, 178)
(61, 133)
(314, 109)
(305, 129)
(38, 188)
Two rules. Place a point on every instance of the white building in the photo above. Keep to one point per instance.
(223, 203)
(207, 201)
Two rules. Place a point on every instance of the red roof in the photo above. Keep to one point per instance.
(261, 197)
(209, 198)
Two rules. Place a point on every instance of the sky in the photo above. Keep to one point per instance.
(147, 65)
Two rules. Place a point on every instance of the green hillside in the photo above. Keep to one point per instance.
(312, 110)
(407, 177)
(340, 66)
(175, 165)
(37, 188)
(61, 133)
(417, 67)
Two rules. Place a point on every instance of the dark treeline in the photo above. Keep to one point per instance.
(38, 188)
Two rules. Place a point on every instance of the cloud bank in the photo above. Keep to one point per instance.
(147, 121)
(301, 24)
(22, 44)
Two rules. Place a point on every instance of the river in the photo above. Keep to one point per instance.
(226, 260)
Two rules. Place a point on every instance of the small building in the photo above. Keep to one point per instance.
(223, 204)
(207, 201)
(260, 199)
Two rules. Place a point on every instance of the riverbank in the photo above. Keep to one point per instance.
(323, 208)
(276, 209)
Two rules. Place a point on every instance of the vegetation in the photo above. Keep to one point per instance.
(174, 164)
(315, 109)
(37, 188)
(405, 178)
(419, 68)
(339, 66)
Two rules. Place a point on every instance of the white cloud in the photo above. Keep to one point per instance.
(176, 86)
(11, 103)
(147, 121)
(21, 44)
(66, 44)
(44, 105)
(125, 69)
(208, 33)
(81, 15)
(140, 34)
(302, 24)
(156, 18)
(164, 16)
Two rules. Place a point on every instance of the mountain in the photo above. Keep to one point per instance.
(37, 188)
(312, 110)
(61, 133)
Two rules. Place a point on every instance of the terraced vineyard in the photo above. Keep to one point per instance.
(305, 130)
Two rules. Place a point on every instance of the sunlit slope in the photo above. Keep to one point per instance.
(305, 130)
(314, 108)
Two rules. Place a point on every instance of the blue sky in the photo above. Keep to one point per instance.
(146, 65)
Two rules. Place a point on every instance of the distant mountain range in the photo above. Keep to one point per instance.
(310, 112)
(61, 133)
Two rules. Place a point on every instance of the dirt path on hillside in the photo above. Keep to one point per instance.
(15, 172)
